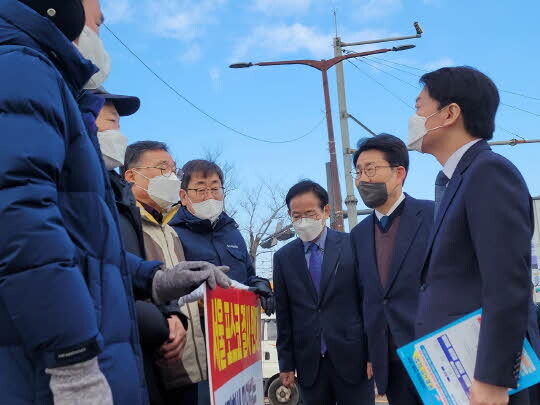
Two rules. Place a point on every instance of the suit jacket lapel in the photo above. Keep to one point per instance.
(409, 224)
(367, 257)
(332, 252)
(450, 192)
(300, 265)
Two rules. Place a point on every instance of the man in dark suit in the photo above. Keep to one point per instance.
(389, 247)
(319, 307)
(479, 252)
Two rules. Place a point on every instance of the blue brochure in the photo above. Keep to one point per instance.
(441, 364)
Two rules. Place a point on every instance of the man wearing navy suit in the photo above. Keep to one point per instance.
(479, 252)
(319, 307)
(389, 247)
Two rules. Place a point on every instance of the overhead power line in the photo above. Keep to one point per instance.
(509, 132)
(380, 84)
(416, 75)
(521, 95)
(521, 109)
(400, 99)
(515, 93)
(391, 75)
(199, 109)
(409, 84)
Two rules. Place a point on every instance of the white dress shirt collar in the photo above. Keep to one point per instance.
(392, 209)
(452, 162)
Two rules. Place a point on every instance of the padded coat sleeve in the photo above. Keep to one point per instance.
(42, 290)
(142, 273)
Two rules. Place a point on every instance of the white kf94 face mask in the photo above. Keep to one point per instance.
(163, 190)
(418, 130)
(308, 229)
(113, 145)
(91, 47)
(209, 209)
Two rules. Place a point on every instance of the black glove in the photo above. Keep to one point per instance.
(261, 287)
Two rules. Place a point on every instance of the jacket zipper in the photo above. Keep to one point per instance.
(189, 312)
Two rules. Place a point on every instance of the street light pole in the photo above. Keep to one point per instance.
(350, 201)
(336, 189)
(323, 66)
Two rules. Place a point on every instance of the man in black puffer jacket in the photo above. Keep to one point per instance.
(162, 328)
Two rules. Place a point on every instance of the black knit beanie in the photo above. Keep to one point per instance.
(67, 15)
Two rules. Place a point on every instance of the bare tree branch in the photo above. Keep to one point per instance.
(262, 206)
(215, 155)
(231, 182)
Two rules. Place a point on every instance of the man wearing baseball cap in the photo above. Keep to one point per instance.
(162, 328)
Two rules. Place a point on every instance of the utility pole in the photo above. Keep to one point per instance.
(323, 66)
(351, 201)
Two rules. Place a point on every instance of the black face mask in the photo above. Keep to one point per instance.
(67, 15)
(373, 194)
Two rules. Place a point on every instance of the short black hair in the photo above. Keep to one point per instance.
(137, 149)
(206, 167)
(394, 149)
(307, 186)
(473, 91)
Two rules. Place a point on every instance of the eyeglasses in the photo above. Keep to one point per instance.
(371, 171)
(203, 191)
(165, 170)
(311, 215)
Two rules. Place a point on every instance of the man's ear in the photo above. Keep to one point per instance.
(401, 173)
(327, 210)
(129, 176)
(183, 197)
(453, 112)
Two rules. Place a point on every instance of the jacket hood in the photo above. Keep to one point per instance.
(122, 190)
(186, 219)
(22, 26)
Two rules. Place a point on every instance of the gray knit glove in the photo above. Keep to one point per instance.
(185, 277)
(81, 384)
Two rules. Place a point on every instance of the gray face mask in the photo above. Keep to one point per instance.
(373, 194)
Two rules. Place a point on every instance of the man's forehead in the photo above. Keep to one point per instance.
(199, 177)
(157, 157)
(305, 200)
(423, 96)
(110, 109)
(371, 156)
(367, 162)
(310, 207)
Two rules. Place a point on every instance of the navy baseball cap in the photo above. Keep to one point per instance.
(125, 105)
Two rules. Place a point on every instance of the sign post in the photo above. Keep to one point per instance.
(233, 339)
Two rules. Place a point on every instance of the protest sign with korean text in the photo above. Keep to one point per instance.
(233, 336)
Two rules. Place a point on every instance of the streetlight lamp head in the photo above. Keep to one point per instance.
(418, 28)
(240, 65)
(402, 48)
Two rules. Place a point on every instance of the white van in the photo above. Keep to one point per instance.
(276, 393)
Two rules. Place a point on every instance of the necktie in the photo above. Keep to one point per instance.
(384, 222)
(315, 269)
(315, 265)
(440, 187)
